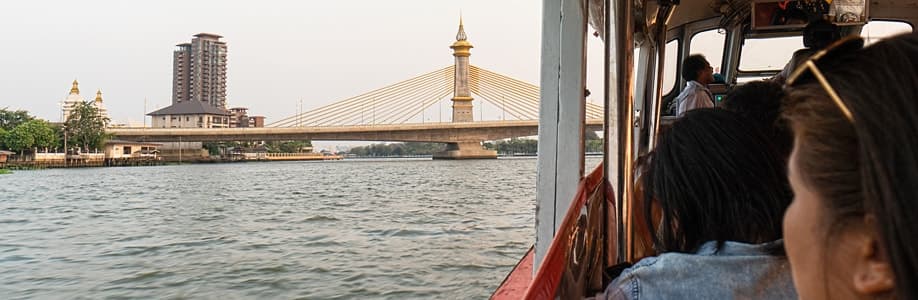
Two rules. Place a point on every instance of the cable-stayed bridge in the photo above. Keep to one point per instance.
(396, 113)
(405, 101)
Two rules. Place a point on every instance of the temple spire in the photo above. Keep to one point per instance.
(99, 96)
(76, 88)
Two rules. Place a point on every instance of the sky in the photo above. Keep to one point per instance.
(278, 51)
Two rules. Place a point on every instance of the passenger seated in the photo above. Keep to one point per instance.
(816, 35)
(760, 102)
(851, 230)
(721, 191)
(697, 73)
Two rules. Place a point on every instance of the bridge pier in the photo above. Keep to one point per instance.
(465, 150)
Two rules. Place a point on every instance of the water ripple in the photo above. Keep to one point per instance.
(384, 229)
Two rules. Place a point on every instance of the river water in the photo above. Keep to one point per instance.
(347, 229)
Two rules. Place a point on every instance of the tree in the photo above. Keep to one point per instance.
(517, 146)
(3, 133)
(592, 143)
(398, 149)
(287, 146)
(85, 127)
(31, 134)
(42, 134)
(10, 119)
(591, 135)
(18, 140)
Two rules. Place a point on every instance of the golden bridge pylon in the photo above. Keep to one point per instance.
(402, 102)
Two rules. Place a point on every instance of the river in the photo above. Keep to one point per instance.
(390, 229)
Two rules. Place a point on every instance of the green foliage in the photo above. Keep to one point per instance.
(593, 146)
(10, 119)
(18, 140)
(58, 130)
(592, 143)
(212, 148)
(3, 133)
(85, 127)
(31, 134)
(398, 149)
(5, 171)
(514, 146)
(591, 135)
(41, 132)
(287, 146)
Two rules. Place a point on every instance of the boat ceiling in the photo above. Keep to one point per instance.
(689, 11)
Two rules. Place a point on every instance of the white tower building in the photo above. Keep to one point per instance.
(72, 100)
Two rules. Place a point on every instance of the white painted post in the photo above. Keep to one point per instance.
(561, 116)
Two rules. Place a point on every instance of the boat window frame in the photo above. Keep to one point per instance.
(778, 34)
(667, 90)
(685, 33)
(760, 35)
(906, 22)
(723, 47)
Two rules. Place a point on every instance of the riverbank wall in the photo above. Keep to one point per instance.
(179, 157)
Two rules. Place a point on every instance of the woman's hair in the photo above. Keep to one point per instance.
(868, 166)
(760, 101)
(714, 177)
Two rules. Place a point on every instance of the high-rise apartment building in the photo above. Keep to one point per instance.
(199, 71)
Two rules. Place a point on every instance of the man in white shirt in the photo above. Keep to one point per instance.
(698, 73)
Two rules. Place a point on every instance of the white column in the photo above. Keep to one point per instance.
(561, 116)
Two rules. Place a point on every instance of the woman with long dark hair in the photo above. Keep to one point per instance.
(721, 190)
(852, 229)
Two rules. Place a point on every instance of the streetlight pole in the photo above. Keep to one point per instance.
(64, 127)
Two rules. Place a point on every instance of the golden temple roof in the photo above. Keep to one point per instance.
(76, 87)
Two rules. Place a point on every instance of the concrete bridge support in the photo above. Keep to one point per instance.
(465, 150)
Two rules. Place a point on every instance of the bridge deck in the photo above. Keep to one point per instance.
(415, 132)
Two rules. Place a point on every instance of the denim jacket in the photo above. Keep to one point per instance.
(736, 271)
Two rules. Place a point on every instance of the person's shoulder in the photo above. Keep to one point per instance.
(646, 267)
(649, 272)
(627, 286)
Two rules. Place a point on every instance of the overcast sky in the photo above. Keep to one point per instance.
(279, 51)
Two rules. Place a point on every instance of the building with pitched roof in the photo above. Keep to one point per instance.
(190, 114)
(198, 86)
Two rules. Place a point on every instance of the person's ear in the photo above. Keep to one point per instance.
(873, 273)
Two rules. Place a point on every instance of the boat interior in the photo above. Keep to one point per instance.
(643, 45)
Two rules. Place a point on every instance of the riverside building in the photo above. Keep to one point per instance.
(198, 86)
(199, 71)
(73, 99)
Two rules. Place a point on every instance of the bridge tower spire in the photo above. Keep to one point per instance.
(462, 104)
(462, 98)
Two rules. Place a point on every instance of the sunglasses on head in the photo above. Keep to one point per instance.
(809, 69)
